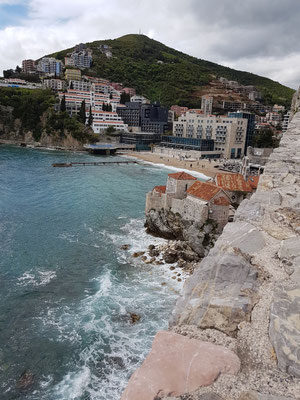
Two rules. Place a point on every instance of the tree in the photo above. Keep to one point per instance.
(82, 115)
(125, 97)
(8, 73)
(90, 119)
(71, 85)
(264, 138)
(110, 129)
(18, 69)
(63, 104)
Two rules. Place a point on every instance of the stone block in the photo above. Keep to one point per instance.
(178, 365)
(284, 330)
(260, 396)
(219, 295)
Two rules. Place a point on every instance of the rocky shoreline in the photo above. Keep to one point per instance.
(244, 296)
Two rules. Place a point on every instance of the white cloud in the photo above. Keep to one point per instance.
(245, 36)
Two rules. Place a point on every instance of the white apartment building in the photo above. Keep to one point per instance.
(229, 134)
(104, 119)
(54, 84)
(207, 104)
(80, 85)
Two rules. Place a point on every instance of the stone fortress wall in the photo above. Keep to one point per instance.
(244, 296)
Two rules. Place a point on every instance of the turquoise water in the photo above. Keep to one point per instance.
(66, 287)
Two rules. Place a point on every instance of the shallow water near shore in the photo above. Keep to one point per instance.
(66, 287)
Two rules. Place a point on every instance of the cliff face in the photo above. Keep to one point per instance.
(12, 129)
(244, 296)
(169, 225)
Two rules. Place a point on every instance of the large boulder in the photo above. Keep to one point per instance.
(220, 294)
(178, 365)
(284, 330)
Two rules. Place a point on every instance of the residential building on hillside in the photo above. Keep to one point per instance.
(28, 66)
(54, 84)
(49, 66)
(79, 85)
(139, 99)
(73, 74)
(179, 110)
(250, 126)
(130, 91)
(274, 118)
(207, 104)
(228, 134)
(105, 119)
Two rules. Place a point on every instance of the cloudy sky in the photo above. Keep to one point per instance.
(259, 36)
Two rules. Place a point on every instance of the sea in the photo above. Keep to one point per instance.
(67, 289)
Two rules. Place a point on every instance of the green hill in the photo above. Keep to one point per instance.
(162, 73)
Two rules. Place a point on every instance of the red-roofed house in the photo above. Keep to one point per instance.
(235, 185)
(193, 200)
(178, 184)
(215, 199)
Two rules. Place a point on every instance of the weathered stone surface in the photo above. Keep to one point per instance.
(178, 365)
(219, 294)
(260, 396)
(290, 248)
(249, 211)
(205, 396)
(243, 236)
(284, 329)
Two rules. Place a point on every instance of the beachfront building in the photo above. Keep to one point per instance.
(228, 134)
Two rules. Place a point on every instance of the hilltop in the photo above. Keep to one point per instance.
(162, 73)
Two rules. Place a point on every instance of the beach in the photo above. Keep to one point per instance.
(205, 167)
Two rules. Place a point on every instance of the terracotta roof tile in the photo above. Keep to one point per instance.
(203, 190)
(233, 183)
(183, 176)
(222, 201)
(253, 181)
(160, 189)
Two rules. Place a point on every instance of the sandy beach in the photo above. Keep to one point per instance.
(202, 166)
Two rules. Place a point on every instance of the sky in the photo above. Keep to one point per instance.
(259, 36)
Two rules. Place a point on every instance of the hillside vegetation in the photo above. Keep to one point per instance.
(162, 73)
(24, 111)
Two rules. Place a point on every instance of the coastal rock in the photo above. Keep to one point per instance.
(25, 381)
(134, 318)
(125, 247)
(220, 294)
(284, 329)
(177, 365)
(138, 254)
(170, 257)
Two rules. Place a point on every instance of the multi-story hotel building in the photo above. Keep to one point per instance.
(228, 134)
(49, 66)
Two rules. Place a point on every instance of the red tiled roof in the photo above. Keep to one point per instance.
(222, 201)
(160, 189)
(203, 190)
(233, 183)
(182, 176)
(253, 181)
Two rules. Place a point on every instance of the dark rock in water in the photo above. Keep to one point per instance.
(189, 255)
(170, 257)
(125, 247)
(25, 381)
(154, 252)
(151, 247)
(134, 318)
(138, 254)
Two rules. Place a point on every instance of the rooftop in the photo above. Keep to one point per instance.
(182, 176)
(203, 190)
(160, 189)
(253, 181)
(233, 183)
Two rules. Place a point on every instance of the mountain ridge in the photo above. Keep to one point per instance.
(171, 76)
